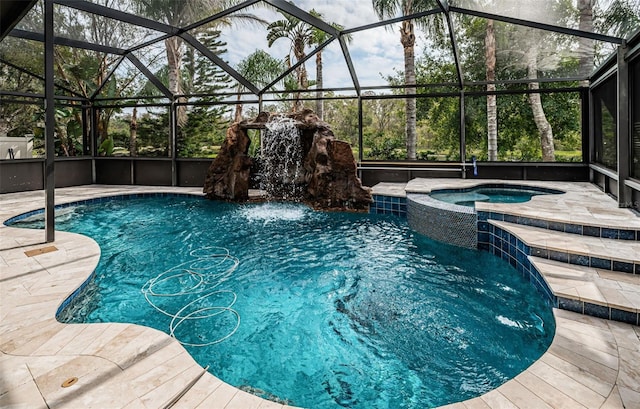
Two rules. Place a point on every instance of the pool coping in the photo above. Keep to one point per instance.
(591, 362)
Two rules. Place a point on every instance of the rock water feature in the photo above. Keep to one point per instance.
(301, 160)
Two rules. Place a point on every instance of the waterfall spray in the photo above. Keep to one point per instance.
(282, 159)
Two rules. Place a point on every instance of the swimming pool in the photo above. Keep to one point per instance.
(493, 193)
(321, 310)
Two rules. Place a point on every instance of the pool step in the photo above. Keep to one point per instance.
(596, 252)
(601, 293)
(624, 229)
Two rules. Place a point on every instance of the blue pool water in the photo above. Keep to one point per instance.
(320, 310)
(493, 194)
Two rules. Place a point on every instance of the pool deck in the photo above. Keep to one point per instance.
(591, 363)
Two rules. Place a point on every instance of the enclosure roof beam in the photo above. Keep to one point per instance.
(165, 28)
(296, 65)
(150, 42)
(106, 78)
(41, 78)
(68, 42)
(454, 44)
(168, 30)
(289, 8)
(154, 80)
(222, 14)
(386, 22)
(539, 26)
(125, 17)
(303, 15)
(219, 61)
(349, 62)
(11, 12)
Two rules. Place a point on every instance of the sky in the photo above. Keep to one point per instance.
(374, 53)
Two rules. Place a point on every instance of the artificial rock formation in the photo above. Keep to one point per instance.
(327, 175)
(330, 171)
(228, 175)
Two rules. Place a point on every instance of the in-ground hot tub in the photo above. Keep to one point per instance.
(490, 193)
(449, 215)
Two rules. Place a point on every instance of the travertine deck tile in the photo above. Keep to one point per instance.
(609, 288)
(219, 397)
(630, 397)
(523, 397)
(614, 401)
(25, 396)
(601, 357)
(19, 374)
(580, 369)
(567, 385)
(172, 386)
(198, 393)
(570, 361)
(496, 400)
(620, 250)
(548, 393)
(476, 403)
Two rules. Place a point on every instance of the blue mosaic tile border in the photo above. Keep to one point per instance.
(393, 205)
(563, 257)
(71, 298)
(22, 216)
(442, 221)
(587, 261)
(510, 248)
(583, 230)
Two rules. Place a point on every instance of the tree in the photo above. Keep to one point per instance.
(621, 18)
(206, 123)
(17, 119)
(319, 37)
(586, 49)
(544, 128)
(389, 9)
(83, 71)
(492, 107)
(260, 69)
(179, 14)
(300, 34)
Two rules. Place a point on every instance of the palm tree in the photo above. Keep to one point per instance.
(531, 55)
(319, 37)
(492, 106)
(389, 9)
(620, 18)
(586, 50)
(260, 69)
(179, 14)
(300, 34)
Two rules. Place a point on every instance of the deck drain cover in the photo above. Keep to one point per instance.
(69, 382)
(41, 250)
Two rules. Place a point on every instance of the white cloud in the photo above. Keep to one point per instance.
(347, 13)
(372, 51)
